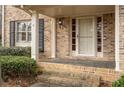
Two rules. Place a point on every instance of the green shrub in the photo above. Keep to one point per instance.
(119, 83)
(17, 66)
(15, 51)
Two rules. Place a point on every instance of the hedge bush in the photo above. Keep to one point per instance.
(17, 66)
(15, 51)
(119, 83)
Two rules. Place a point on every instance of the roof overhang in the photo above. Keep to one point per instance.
(68, 10)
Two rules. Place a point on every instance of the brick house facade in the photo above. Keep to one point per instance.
(60, 31)
(15, 14)
(66, 40)
(63, 43)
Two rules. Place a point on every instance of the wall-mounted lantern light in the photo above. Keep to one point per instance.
(61, 22)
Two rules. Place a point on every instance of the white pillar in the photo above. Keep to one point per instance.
(35, 36)
(117, 57)
(53, 38)
(2, 25)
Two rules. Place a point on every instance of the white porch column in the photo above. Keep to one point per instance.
(117, 57)
(2, 25)
(53, 38)
(35, 36)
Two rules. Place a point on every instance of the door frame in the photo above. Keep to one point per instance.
(94, 37)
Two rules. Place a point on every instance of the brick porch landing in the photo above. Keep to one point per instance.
(68, 74)
(82, 62)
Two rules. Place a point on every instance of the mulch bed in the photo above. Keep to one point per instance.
(29, 81)
(106, 84)
(19, 82)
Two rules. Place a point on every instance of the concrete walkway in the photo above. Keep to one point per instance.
(41, 84)
(45, 85)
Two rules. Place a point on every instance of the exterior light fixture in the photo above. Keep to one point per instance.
(61, 22)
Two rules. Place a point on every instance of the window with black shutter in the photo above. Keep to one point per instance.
(41, 35)
(20, 33)
(12, 33)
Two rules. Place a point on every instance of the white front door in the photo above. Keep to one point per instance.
(85, 36)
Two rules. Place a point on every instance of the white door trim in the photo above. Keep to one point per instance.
(94, 37)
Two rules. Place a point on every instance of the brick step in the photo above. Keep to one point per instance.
(65, 82)
(64, 67)
(105, 75)
(64, 73)
(71, 70)
(89, 77)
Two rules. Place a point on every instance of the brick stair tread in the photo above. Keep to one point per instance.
(67, 71)
(70, 82)
(81, 76)
(45, 84)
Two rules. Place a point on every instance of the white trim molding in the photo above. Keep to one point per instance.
(35, 36)
(3, 43)
(117, 57)
(53, 38)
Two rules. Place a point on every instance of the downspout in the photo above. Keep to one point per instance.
(3, 9)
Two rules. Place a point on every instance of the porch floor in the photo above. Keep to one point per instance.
(80, 62)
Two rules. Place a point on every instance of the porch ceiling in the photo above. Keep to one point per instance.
(70, 10)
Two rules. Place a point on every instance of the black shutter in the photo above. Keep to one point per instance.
(12, 33)
(41, 35)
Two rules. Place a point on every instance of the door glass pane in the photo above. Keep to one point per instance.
(99, 34)
(73, 21)
(73, 47)
(73, 41)
(73, 27)
(90, 48)
(83, 46)
(86, 36)
(73, 34)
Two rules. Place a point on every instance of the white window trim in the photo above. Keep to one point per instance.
(22, 43)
